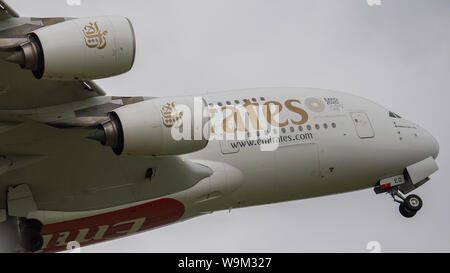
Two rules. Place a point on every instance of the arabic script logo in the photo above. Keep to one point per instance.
(93, 37)
(170, 116)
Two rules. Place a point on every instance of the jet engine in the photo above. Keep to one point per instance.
(163, 126)
(78, 49)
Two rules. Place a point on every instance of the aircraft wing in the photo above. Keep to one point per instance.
(43, 144)
(18, 87)
(26, 105)
(7, 11)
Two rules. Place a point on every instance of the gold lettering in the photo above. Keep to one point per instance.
(93, 36)
(252, 114)
(269, 115)
(297, 110)
(237, 119)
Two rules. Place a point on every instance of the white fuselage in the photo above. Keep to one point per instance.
(311, 163)
(343, 143)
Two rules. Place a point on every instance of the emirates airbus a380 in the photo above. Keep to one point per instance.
(79, 166)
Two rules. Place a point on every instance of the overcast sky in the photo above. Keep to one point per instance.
(396, 54)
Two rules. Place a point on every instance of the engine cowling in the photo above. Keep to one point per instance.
(79, 49)
(163, 126)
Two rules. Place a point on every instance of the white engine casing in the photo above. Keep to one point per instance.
(146, 132)
(87, 48)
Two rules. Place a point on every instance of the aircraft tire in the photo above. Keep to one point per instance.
(413, 202)
(405, 211)
(31, 239)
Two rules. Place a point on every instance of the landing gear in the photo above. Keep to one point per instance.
(19, 234)
(30, 234)
(413, 202)
(24, 234)
(409, 205)
(406, 212)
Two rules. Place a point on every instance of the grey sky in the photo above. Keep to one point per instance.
(396, 54)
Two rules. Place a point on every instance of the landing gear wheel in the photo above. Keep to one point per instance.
(31, 223)
(30, 234)
(409, 205)
(405, 211)
(413, 202)
(31, 239)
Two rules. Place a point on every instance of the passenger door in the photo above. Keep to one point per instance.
(362, 124)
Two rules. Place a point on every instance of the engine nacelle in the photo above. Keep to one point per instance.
(79, 49)
(163, 126)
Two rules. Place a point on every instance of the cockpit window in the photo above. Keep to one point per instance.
(394, 115)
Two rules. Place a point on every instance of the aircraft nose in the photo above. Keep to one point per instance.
(433, 145)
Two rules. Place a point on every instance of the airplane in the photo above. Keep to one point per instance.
(79, 166)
